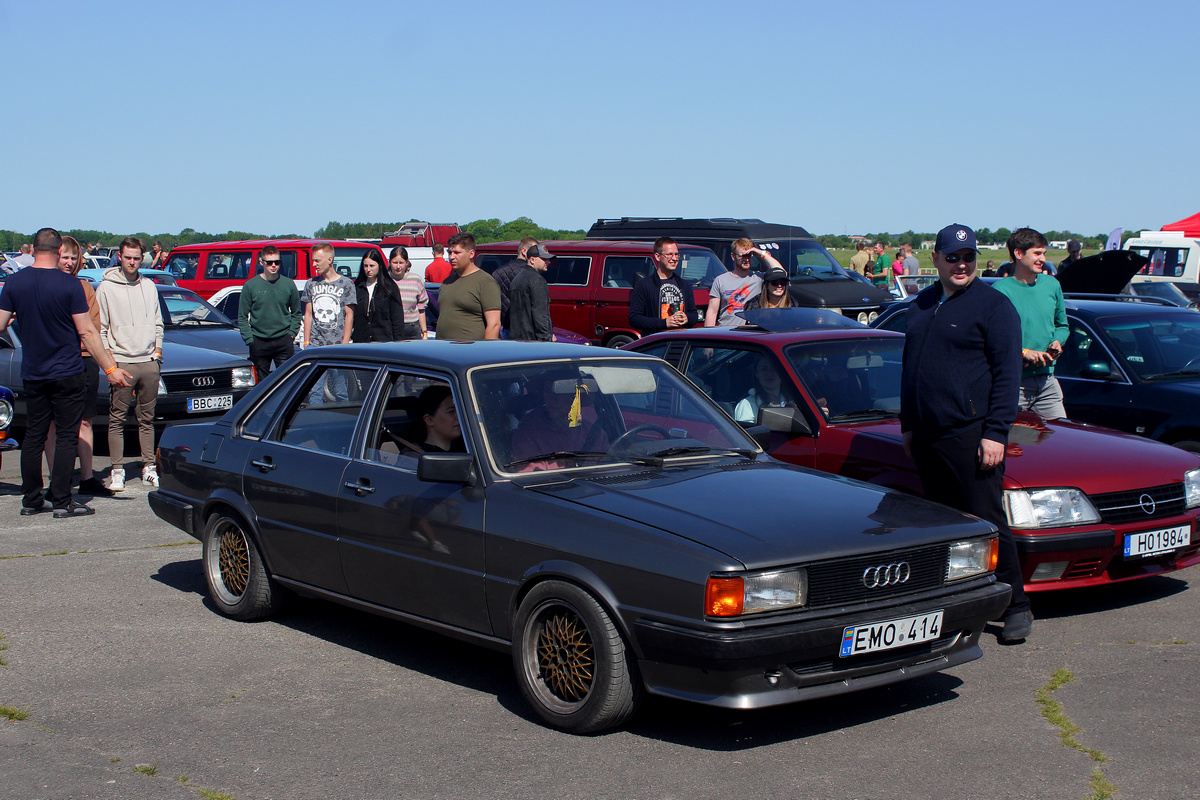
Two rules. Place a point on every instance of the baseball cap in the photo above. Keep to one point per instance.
(1073, 246)
(539, 251)
(775, 274)
(953, 238)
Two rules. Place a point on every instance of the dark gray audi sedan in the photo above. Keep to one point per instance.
(590, 512)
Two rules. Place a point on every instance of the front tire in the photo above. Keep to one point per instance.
(1189, 445)
(233, 569)
(572, 663)
(619, 340)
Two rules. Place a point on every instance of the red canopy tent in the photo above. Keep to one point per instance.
(1189, 225)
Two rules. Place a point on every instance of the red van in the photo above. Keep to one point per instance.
(590, 282)
(211, 266)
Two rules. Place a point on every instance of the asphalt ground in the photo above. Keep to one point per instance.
(125, 670)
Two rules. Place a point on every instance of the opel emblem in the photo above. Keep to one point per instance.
(886, 575)
(204, 380)
(1147, 503)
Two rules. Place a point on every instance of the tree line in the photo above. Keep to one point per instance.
(496, 230)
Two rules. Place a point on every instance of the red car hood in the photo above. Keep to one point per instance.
(1064, 453)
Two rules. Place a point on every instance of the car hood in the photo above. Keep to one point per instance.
(1103, 273)
(781, 515)
(185, 358)
(209, 337)
(1073, 454)
(837, 292)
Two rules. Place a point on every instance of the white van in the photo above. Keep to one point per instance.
(1173, 257)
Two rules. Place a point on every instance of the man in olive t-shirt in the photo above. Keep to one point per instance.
(469, 306)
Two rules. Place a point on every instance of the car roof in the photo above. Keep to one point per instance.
(463, 355)
(700, 227)
(748, 333)
(573, 246)
(276, 242)
(1132, 306)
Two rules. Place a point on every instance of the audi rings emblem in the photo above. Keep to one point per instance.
(886, 575)
(1147, 503)
(204, 380)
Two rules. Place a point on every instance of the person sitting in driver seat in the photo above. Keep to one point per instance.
(557, 425)
(767, 391)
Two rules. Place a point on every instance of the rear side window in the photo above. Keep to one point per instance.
(347, 259)
(287, 264)
(228, 266)
(569, 271)
(490, 262)
(1166, 261)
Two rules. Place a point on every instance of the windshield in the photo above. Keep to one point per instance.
(1164, 290)
(181, 307)
(579, 414)
(804, 259)
(1156, 346)
(851, 380)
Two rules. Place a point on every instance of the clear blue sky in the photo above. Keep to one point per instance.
(847, 117)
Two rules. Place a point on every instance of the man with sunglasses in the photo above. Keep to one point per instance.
(731, 291)
(269, 314)
(958, 399)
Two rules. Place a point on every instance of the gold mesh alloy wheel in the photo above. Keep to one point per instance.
(235, 561)
(566, 657)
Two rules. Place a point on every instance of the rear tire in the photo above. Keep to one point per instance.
(1191, 445)
(620, 340)
(571, 661)
(233, 569)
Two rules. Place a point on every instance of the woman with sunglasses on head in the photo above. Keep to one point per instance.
(412, 293)
(380, 314)
(774, 293)
(70, 261)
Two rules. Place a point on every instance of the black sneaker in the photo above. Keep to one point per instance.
(28, 511)
(1017, 627)
(94, 487)
(73, 509)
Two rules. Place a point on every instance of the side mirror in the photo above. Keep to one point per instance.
(788, 421)
(1097, 370)
(446, 468)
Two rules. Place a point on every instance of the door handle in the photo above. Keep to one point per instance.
(601, 303)
(265, 466)
(360, 489)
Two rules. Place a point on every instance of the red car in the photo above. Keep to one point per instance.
(1087, 505)
(208, 267)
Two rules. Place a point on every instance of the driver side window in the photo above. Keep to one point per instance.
(1081, 348)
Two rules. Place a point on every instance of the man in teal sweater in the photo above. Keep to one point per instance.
(1039, 301)
(269, 314)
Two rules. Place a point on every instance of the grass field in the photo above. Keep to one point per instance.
(843, 257)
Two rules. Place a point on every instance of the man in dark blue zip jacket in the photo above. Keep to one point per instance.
(958, 399)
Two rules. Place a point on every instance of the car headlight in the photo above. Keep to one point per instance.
(864, 317)
(753, 593)
(1048, 508)
(162, 387)
(243, 377)
(6, 414)
(1191, 487)
(971, 558)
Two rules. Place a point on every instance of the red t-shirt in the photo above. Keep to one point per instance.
(437, 271)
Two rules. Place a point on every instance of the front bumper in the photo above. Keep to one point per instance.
(1095, 556)
(754, 667)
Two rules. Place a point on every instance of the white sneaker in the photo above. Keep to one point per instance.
(116, 480)
(150, 476)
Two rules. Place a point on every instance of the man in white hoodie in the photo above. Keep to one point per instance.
(131, 326)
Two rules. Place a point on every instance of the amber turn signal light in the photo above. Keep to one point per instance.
(723, 597)
(994, 555)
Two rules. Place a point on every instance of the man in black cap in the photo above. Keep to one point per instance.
(529, 298)
(958, 399)
(1073, 248)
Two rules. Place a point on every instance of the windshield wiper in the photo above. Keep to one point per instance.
(656, 459)
(867, 412)
(1178, 374)
(556, 455)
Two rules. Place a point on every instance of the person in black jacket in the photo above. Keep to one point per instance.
(958, 399)
(529, 299)
(662, 300)
(380, 314)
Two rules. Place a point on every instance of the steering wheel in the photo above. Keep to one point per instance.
(628, 436)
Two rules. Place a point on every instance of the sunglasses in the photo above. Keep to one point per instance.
(269, 262)
(967, 258)
(779, 283)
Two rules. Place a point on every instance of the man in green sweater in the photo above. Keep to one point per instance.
(269, 314)
(1039, 302)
